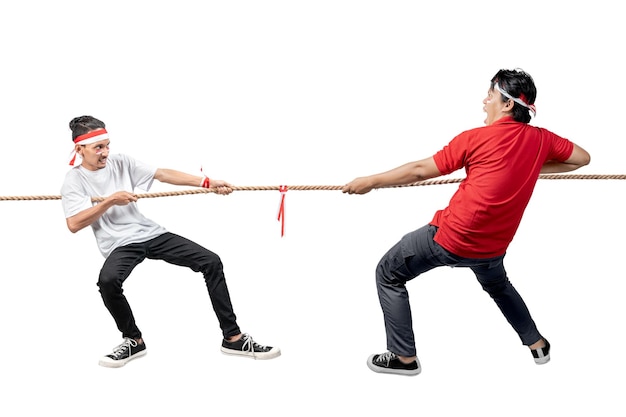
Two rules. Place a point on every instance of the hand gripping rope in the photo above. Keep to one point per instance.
(283, 190)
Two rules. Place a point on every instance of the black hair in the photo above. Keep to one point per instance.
(84, 124)
(517, 83)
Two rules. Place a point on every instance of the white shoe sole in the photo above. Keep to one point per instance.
(110, 363)
(273, 353)
(382, 370)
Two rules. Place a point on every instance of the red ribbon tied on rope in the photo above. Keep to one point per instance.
(281, 209)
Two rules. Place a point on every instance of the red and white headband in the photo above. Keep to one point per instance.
(86, 139)
(522, 100)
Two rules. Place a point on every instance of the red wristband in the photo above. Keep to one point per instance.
(206, 183)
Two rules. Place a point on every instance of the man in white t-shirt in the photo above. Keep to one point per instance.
(100, 192)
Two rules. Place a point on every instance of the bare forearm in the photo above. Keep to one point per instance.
(405, 174)
(87, 217)
(174, 177)
(552, 167)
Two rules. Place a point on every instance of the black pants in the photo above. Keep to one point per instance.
(173, 249)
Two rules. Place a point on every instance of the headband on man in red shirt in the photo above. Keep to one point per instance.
(522, 100)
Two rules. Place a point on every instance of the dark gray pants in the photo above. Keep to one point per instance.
(173, 249)
(417, 253)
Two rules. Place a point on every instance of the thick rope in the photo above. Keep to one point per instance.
(313, 187)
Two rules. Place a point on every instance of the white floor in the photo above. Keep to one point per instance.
(319, 305)
(315, 93)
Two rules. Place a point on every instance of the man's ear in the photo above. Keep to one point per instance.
(508, 106)
(78, 149)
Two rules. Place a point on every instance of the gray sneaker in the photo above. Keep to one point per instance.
(389, 363)
(128, 350)
(249, 348)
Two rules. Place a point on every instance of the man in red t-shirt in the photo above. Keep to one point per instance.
(502, 161)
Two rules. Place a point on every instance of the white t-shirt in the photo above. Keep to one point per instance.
(120, 225)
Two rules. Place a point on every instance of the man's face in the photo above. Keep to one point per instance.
(494, 106)
(94, 155)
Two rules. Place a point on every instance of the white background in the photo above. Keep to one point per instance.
(306, 93)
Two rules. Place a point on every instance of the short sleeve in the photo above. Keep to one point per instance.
(453, 156)
(74, 199)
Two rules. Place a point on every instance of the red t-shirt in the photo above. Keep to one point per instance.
(502, 162)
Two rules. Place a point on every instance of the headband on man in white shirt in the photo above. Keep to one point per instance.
(86, 139)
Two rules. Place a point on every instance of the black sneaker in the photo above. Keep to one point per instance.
(389, 363)
(129, 349)
(542, 355)
(249, 348)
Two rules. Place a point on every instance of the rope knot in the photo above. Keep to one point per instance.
(281, 209)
